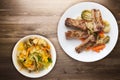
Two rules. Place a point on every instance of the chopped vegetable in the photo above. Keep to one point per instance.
(34, 54)
(106, 39)
(21, 46)
(106, 29)
(101, 34)
(86, 15)
(103, 40)
(106, 23)
(106, 26)
(98, 47)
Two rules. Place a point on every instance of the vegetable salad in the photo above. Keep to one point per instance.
(34, 54)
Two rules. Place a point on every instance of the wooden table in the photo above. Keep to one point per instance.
(19, 18)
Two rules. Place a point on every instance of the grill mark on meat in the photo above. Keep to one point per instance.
(97, 20)
(85, 44)
(79, 24)
(74, 34)
(90, 40)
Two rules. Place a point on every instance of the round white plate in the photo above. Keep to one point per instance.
(69, 45)
(33, 74)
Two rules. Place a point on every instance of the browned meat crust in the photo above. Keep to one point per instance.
(90, 40)
(74, 34)
(80, 24)
(97, 20)
(85, 44)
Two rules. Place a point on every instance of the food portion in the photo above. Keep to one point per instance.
(86, 15)
(97, 20)
(90, 28)
(74, 34)
(73, 23)
(87, 43)
(34, 54)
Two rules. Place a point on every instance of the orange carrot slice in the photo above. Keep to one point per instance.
(98, 48)
(101, 34)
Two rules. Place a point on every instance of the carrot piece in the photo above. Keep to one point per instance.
(101, 34)
(98, 48)
(28, 50)
(97, 51)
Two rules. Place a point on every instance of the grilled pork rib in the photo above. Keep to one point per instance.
(85, 44)
(94, 26)
(97, 20)
(74, 23)
(74, 34)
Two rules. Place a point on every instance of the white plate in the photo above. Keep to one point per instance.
(33, 74)
(69, 45)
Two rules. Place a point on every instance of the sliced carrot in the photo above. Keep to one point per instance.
(98, 48)
(28, 50)
(97, 51)
(101, 34)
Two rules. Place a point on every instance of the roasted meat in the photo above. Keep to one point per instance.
(97, 20)
(74, 34)
(90, 27)
(74, 23)
(88, 42)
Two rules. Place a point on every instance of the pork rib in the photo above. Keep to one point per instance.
(74, 34)
(74, 23)
(97, 20)
(85, 44)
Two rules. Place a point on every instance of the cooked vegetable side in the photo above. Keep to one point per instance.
(86, 15)
(91, 28)
(34, 54)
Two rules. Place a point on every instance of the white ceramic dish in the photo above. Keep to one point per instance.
(69, 45)
(33, 74)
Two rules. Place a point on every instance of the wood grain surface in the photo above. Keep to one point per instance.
(19, 18)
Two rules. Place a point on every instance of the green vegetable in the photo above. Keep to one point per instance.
(49, 60)
(86, 15)
(106, 39)
(103, 40)
(21, 59)
(39, 58)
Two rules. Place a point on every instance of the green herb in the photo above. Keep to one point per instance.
(49, 60)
